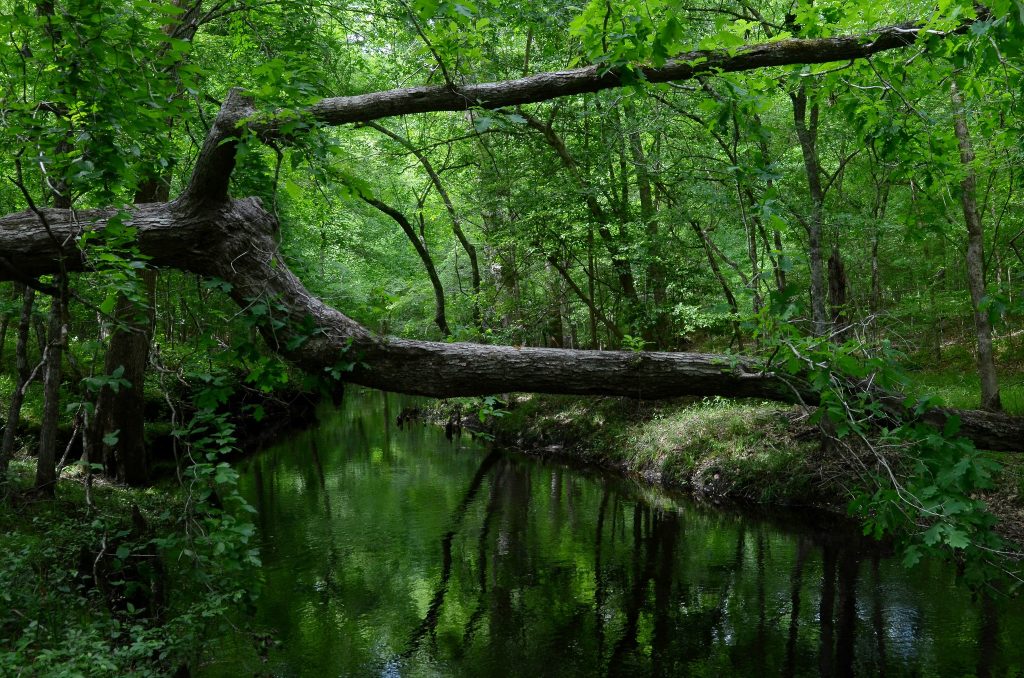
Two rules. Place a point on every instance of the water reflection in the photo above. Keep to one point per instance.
(394, 552)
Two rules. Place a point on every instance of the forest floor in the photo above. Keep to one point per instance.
(83, 590)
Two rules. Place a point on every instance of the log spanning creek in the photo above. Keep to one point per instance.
(394, 552)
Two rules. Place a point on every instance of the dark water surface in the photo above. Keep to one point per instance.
(392, 552)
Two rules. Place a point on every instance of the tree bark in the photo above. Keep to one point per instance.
(121, 413)
(975, 258)
(807, 133)
(28, 296)
(206, 232)
(234, 241)
(46, 463)
(545, 86)
(838, 289)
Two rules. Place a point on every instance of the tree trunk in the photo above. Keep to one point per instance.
(206, 232)
(233, 241)
(838, 291)
(619, 262)
(428, 263)
(807, 134)
(28, 296)
(661, 330)
(435, 178)
(717, 271)
(120, 415)
(46, 463)
(975, 258)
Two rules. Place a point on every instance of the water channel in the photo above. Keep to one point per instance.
(393, 552)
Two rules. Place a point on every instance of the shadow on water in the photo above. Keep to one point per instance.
(394, 552)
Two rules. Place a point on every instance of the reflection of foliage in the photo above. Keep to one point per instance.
(615, 571)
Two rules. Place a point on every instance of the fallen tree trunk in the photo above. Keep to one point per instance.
(234, 241)
(206, 232)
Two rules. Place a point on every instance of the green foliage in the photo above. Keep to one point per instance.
(86, 592)
(920, 486)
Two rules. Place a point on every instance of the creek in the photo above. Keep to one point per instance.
(393, 551)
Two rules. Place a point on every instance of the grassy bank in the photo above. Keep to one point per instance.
(714, 448)
(758, 452)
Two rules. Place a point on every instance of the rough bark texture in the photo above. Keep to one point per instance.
(121, 414)
(46, 463)
(838, 286)
(22, 370)
(491, 95)
(975, 258)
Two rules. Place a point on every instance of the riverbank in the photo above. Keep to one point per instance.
(714, 449)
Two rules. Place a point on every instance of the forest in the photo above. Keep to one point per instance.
(766, 252)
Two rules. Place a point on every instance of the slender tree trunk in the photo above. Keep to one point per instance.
(807, 133)
(28, 296)
(656, 274)
(975, 258)
(619, 262)
(46, 464)
(588, 301)
(424, 255)
(876, 282)
(595, 341)
(715, 269)
(878, 214)
(460, 234)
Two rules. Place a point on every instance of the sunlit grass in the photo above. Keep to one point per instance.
(962, 388)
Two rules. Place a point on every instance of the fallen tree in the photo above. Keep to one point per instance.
(206, 232)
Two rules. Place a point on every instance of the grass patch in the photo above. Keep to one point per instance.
(712, 447)
(962, 388)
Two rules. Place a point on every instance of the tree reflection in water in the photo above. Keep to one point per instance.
(396, 552)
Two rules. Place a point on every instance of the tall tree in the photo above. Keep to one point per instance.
(975, 255)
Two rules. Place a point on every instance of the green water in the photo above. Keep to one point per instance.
(391, 552)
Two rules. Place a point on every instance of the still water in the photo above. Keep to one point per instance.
(394, 552)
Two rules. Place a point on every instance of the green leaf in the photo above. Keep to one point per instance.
(911, 556)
